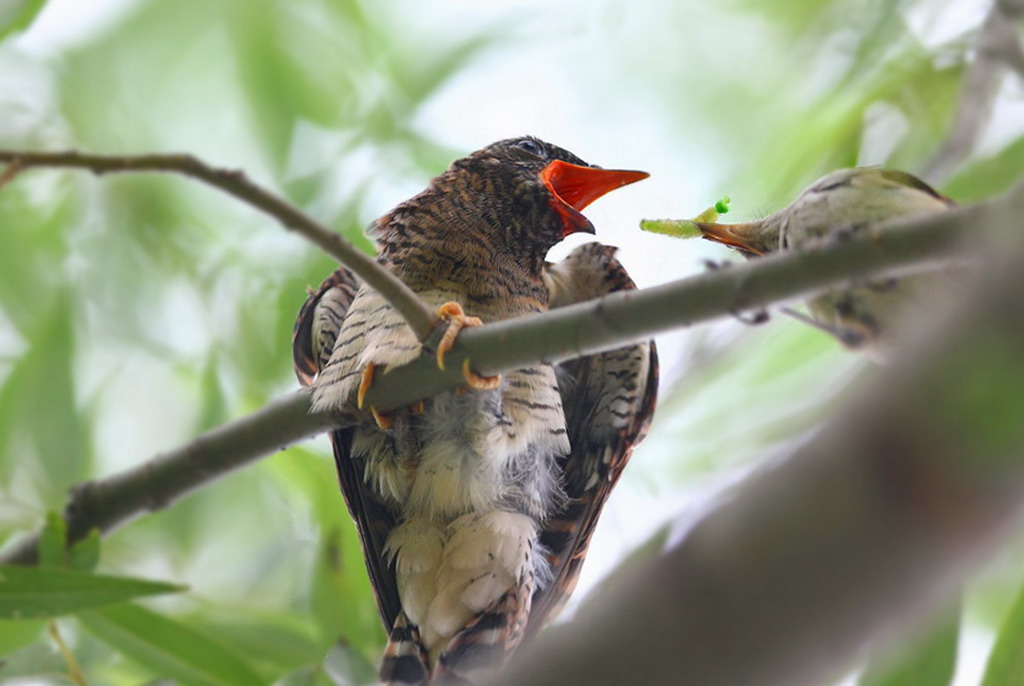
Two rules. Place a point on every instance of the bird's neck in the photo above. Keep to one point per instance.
(454, 235)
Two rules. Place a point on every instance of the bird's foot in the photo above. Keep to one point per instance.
(384, 419)
(715, 265)
(849, 337)
(753, 317)
(457, 320)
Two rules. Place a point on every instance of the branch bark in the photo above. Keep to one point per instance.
(416, 312)
(858, 534)
(626, 317)
(602, 324)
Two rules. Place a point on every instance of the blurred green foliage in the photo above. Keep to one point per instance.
(136, 312)
(928, 660)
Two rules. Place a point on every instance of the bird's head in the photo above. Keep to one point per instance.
(750, 239)
(839, 200)
(536, 190)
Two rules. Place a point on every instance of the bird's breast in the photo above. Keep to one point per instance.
(476, 451)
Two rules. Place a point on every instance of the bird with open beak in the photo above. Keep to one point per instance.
(870, 316)
(475, 509)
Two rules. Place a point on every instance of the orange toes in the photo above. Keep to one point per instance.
(384, 419)
(449, 310)
(457, 320)
(477, 381)
(364, 383)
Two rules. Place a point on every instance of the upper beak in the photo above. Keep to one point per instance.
(576, 186)
(750, 238)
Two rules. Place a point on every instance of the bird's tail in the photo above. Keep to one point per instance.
(477, 650)
(405, 658)
(485, 644)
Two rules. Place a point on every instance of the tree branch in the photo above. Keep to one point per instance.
(602, 324)
(153, 485)
(627, 317)
(416, 312)
(858, 534)
(997, 47)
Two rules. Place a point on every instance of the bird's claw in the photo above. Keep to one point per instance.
(364, 383)
(457, 320)
(715, 265)
(753, 317)
(478, 381)
(849, 337)
(384, 419)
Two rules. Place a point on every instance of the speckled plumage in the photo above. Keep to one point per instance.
(865, 316)
(475, 515)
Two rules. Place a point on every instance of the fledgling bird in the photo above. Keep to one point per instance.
(475, 509)
(872, 316)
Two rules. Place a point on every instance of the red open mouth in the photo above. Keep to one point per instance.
(575, 186)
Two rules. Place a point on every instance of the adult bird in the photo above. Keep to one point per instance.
(868, 316)
(475, 509)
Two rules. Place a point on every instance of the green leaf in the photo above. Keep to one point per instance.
(342, 602)
(1006, 663)
(928, 661)
(31, 592)
(20, 17)
(85, 554)
(55, 437)
(276, 642)
(36, 660)
(53, 541)
(309, 675)
(989, 176)
(15, 634)
(348, 667)
(304, 676)
(167, 647)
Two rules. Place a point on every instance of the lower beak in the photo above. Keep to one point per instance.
(575, 186)
(747, 238)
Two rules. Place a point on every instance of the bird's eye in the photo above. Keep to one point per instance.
(530, 146)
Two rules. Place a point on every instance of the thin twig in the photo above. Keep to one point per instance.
(997, 47)
(602, 324)
(12, 170)
(416, 312)
(1013, 52)
(74, 671)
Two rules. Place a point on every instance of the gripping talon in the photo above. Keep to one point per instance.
(364, 383)
(458, 320)
(384, 419)
(477, 381)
